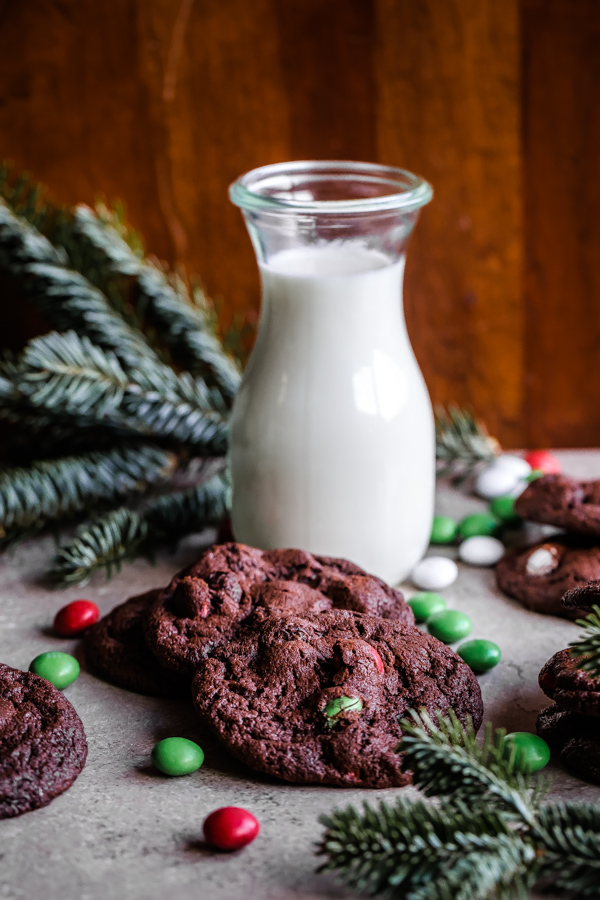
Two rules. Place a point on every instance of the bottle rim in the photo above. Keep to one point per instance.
(277, 188)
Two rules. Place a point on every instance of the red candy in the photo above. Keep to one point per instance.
(75, 617)
(230, 828)
(378, 659)
(543, 461)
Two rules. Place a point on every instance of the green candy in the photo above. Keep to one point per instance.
(503, 508)
(59, 669)
(426, 604)
(480, 655)
(533, 476)
(177, 756)
(450, 626)
(335, 708)
(478, 524)
(443, 530)
(532, 754)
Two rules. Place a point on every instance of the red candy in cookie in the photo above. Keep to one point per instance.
(377, 658)
(230, 828)
(75, 617)
(543, 461)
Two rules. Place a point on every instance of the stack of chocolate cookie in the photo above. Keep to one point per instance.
(571, 726)
(301, 665)
(539, 574)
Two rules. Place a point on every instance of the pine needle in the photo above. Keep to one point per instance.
(124, 534)
(588, 647)
(462, 442)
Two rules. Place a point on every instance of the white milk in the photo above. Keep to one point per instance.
(332, 446)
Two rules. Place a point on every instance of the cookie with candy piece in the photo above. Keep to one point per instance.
(539, 574)
(205, 604)
(318, 698)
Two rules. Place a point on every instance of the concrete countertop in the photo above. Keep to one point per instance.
(126, 833)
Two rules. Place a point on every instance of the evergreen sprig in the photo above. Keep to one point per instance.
(68, 375)
(587, 648)
(54, 489)
(462, 442)
(486, 836)
(123, 533)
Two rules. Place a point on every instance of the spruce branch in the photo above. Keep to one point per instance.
(69, 376)
(462, 442)
(568, 838)
(124, 534)
(446, 760)
(55, 489)
(588, 646)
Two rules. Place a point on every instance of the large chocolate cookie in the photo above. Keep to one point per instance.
(583, 597)
(562, 501)
(204, 605)
(317, 698)
(42, 742)
(538, 575)
(575, 738)
(570, 687)
(116, 649)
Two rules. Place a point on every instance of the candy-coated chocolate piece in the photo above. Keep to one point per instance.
(377, 658)
(443, 530)
(477, 524)
(450, 626)
(545, 461)
(534, 475)
(177, 756)
(426, 604)
(336, 708)
(481, 550)
(434, 573)
(75, 617)
(230, 828)
(495, 481)
(503, 508)
(60, 669)
(518, 465)
(533, 752)
(480, 655)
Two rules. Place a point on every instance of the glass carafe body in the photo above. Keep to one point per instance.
(332, 438)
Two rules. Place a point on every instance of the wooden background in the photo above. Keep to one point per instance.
(164, 102)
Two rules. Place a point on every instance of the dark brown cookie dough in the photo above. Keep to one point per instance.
(566, 502)
(583, 598)
(538, 575)
(204, 605)
(116, 649)
(575, 738)
(42, 742)
(570, 687)
(273, 695)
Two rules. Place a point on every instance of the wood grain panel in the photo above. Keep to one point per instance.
(448, 80)
(562, 235)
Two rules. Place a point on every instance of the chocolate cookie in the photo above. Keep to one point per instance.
(575, 738)
(318, 698)
(116, 649)
(566, 502)
(42, 742)
(538, 575)
(204, 605)
(583, 598)
(570, 687)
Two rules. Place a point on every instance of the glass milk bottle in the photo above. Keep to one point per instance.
(332, 437)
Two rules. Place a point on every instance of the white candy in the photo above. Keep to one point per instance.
(516, 464)
(542, 561)
(434, 573)
(481, 550)
(519, 487)
(496, 481)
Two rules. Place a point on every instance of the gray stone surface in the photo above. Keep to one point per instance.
(127, 833)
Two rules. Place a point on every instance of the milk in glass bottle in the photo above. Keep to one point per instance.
(332, 439)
